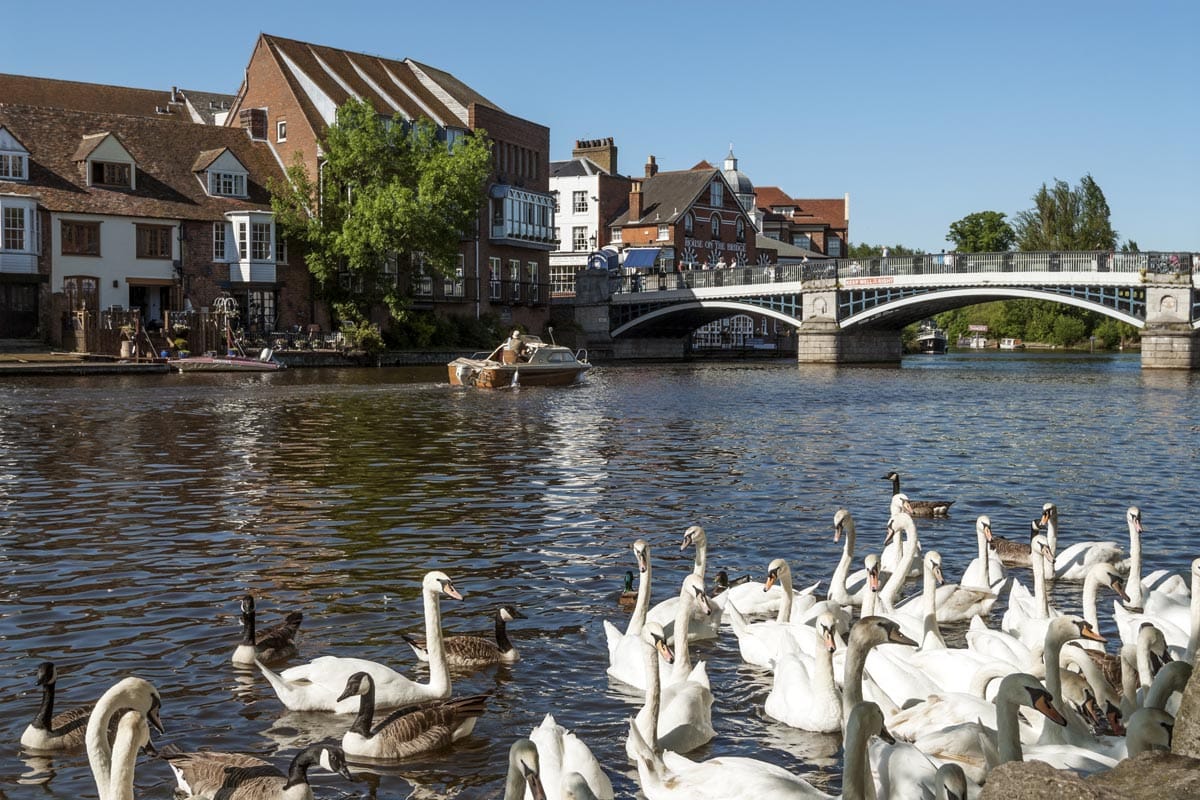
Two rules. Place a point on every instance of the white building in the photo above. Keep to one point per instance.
(588, 193)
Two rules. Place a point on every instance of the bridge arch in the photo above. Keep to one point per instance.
(724, 307)
(906, 310)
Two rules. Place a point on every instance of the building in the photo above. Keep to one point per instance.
(820, 226)
(588, 192)
(114, 211)
(685, 219)
(290, 96)
(179, 105)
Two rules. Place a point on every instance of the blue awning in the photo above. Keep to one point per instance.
(636, 257)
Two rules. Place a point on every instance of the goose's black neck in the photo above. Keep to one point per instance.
(46, 709)
(298, 771)
(366, 710)
(248, 628)
(502, 640)
(895, 479)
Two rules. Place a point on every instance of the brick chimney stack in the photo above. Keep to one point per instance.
(635, 200)
(602, 151)
(651, 167)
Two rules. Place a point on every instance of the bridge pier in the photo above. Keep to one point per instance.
(1168, 340)
(823, 342)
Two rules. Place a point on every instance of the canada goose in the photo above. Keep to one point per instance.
(235, 776)
(429, 726)
(269, 646)
(139, 696)
(524, 771)
(920, 508)
(476, 651)
(315, 686)
(50, 731)
(1013, 553)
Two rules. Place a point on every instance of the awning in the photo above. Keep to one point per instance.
(640, 257)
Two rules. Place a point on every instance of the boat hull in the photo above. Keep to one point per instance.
(217, 364)
(495, 375)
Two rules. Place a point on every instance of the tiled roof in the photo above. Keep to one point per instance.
(575, 168)
(830, 212)
(668, 195)
(51, 93)
(165, 152)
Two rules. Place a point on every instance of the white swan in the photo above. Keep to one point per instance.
(1060, 631)
(865, 634)
(524, 772)
(624, 649)
(129, 693)
(561, 753)
(803, 692)
(906, 773)
(1160, 584)
(903, 524)
(733, 778)
(237, 776)
(132, 734)
(700, 627)
(404, 733)
(1178, 621)
(839, 585)
(50, 731)
(759, 642)
(1149, 729)
(681, 722)
(954, 602)
(1027, 616)
(1073, 562)
(986, 570)
(317, 685)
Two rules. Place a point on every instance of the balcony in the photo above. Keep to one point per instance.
(522, 218)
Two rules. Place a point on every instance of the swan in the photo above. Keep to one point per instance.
(1073, 562)
(700, 626)
(692, 599)
(1013, 553)
(269, 646)
(1160, 584)
(1059, 631)
(945, 709)
(839, 589)
(132, 734)
(734, 778)
(803, 693)
(50, 731)
(1149, 729)
(865, 634)
(237, 776)
(986, 570)
(681, 723)
(871, 592)
(1178, 621)
(409, 731)
(523, 771)
(476, 651)
(920, 508)
(560, 754)
(132, 693)
(906, 773)
(953, 602)
(902, 523)
(759, 642)
(318, 685)
(1027, 616)
(624, 649)
(1170, 679)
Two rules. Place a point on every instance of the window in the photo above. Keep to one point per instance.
(106, 173)
(579, 238)
(453, 287)
(80, 238)
(154, 241)
(562, 280)
(554, 194)
(514, 277)
(281, 255)
(689, 224)
(579, 202)
(531, 271)
(494, 278)
(14, 224)
(664, 232)
(260, 310)
(241, 240)
(715, 226)
(227, 184)
(260, 241)
(802, 240)
(741, 230)
(12, 166)
(422, 280)
(716, 193)
(218, 241)
(281, 130)
(616, 235)
(833, 246)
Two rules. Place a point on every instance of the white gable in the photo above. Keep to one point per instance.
(227, 162)
(9, 143)
(111, 150)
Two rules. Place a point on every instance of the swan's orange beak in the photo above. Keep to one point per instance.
(664, 650)
(830, 642)
(937, 574)
(1118, 586)
(771, 578)
(1092, 710)
(449, 590)
(1042, 702)
(1088, 632)
(1113, 715)
(987, 532)
(873, 578)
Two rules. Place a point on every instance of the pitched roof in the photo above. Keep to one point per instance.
(831, 211)
(668, 195)
(327, 76)
(157, 103)
(165, 151)
(575, 168)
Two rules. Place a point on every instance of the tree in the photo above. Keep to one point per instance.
(392, 202)
(1066, 218)
(862, 250)
(981, 232)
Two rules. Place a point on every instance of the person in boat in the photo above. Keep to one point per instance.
(512, 348)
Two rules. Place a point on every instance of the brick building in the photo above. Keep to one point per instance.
(588, 192)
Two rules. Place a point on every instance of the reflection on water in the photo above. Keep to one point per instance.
(135, 512)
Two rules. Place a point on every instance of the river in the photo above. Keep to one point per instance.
(137, 511)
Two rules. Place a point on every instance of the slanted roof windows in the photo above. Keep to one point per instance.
(223, 174)
(14, 158)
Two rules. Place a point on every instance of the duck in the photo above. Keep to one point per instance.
(409, 731)
(700, 626)
(986, 570)
(524, 771)
(671, 775)
(238, 776)
(562, 754)
(318, 685)
(1073, 562)
(50, 731)
(1013, 553)
(476, 651)
(112, 762)
(920, 508)
(270, 646)
(627, 597)
(803, 693)
(722, 581)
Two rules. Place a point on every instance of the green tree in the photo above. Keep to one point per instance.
(393, 200)
(1066, 218)
(862, 250)
(981, 232)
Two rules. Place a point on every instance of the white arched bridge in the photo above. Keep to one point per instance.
(852, 310)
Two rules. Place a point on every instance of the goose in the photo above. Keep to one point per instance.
(734, 778)
(476, 651)
(1073, 562)
(237, 776)
(138, 695)
(1013, 553)
(132, 734)
(803, 692)
(624, 649)
(628, 595)
(986, 570)
(920, 508)
(954, 603)
(907, 528)
(269, 646)
(409, 731)
(681, 724)
(561, 754)
(50, 731)
(523, 772)
(700, 626)
(318, 685)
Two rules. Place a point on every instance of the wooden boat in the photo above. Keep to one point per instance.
(228, 363)
(521, 360)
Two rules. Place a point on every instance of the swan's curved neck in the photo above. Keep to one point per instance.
(653, 696)
(887, 595)
(124, 755)
(683, 616)
(1051, 656)
(1040, 598)
(1129, 680)
(838, 582)
(984, 558)
(640, 608)
(785, 608)
(852, 674)
(857, 782)
(1090, 614)
(439, 671)
(1134, 587)
(132, 693)
(929, 623)
(1008, 735)
(700, 560)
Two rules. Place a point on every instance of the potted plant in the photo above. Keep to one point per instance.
(181, 346)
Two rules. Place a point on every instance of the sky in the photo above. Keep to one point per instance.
(921, 112)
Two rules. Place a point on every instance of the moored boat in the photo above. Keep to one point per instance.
(521, 360)
(1012, 344)
(931, 339)
(265, 362)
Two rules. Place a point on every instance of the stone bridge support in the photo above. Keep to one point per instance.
(822, 341)
(1168, 340)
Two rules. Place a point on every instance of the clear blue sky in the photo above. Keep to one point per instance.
(923, 112)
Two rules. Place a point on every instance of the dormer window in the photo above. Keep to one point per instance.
(221, 173)
(108, 173)
(227, 184)
(14, 158)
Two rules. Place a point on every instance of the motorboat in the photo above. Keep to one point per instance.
(231, 362)
(1012, 344)
(521, 360)
(931, 339)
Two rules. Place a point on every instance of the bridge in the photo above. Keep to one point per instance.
(852, 310)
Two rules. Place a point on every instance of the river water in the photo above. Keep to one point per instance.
(137, 510)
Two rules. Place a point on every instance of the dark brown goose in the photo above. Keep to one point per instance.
(1013, 553)
(269, 646)
(920, 508)
(476, 651)
(235, 776)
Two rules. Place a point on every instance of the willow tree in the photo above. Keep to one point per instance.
(392, 202)
(1066, 218)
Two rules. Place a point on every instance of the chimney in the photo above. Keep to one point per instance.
(651, 167)
(602, 151)
(635, 201)
(254, 120)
